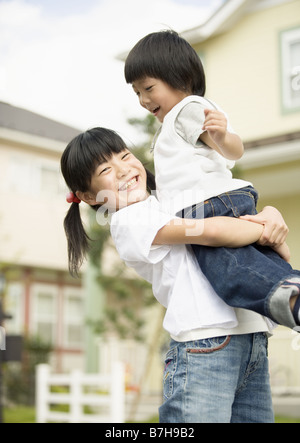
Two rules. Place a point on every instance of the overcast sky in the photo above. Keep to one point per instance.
(58, 57)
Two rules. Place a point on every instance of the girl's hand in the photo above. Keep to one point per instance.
(284, 251)
(276, 230)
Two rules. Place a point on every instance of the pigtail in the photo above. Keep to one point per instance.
(77, 238)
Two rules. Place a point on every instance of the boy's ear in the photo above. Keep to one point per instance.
(86, 197)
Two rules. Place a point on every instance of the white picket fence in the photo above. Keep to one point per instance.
(91, 398)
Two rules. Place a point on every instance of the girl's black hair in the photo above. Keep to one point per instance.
(168, 57)
(78, 163)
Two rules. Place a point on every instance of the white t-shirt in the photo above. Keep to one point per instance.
(187, 171)
(194, 311)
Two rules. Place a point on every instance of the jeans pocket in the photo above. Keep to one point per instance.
(209, 346)
(169, 372)
(238, 203)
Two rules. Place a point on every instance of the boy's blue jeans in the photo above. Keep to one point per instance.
(218, 380)
(248, 277)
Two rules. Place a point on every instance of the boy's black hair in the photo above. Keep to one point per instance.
(78, 163)
(168, 57)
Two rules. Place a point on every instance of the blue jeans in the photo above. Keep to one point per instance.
(245, 277)
(218, 380)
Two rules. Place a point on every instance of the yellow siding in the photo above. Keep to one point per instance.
(270, 181)
(243, 72)
(290, 208)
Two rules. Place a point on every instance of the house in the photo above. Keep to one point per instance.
(41, 296)
(251, 54)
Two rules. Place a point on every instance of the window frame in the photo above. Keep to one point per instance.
(287, 37)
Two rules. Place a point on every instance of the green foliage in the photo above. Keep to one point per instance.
(19, 378)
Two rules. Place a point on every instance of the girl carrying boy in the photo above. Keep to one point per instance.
(194, 150)
(217, 366)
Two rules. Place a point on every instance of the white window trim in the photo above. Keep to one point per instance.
(52, 318)
(287, 38)
(70, 292)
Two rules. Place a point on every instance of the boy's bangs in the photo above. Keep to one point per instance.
(137, 68)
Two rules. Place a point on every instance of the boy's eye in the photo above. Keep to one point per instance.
(149, 88)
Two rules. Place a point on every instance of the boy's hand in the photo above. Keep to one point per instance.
(215, 125)
(217, 137)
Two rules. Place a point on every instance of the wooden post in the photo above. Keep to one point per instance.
(42, 389)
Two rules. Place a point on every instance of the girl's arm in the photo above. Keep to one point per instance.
(215, 232)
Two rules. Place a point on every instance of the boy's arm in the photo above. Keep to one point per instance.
(215, 232)
(217, 137)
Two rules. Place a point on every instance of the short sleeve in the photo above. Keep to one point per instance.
(134, 228)
(190, 121)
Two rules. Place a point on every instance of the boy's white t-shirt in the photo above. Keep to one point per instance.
(193, 309)
(187, 171)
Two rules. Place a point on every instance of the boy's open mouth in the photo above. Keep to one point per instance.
(156, 111)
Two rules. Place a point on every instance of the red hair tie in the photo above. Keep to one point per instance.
(71, 198)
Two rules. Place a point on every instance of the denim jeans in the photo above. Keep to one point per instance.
(218, 380)
(245, 277)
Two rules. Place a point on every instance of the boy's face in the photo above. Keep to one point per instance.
(157, 96)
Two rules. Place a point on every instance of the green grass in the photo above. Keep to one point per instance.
(287, 420)
(19, 414)
(24, 414)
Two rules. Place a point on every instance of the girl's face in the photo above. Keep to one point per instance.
(117, 183)
(157, 96)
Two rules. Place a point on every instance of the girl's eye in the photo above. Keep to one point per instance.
(104, 170)
(126, 155)
(149, 88)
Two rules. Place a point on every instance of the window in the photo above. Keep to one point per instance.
(27, 177)
(21, 177)
(58, 316)
(49, 181)
(14, 307)
(45, 312)
(290, 61)
(73, 318)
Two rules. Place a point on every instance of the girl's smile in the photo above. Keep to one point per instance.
(119, 182)
(130, 185)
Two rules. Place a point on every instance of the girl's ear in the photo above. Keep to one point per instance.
(87, 197)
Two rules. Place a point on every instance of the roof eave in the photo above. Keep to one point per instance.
(34, 142)
(224, 18)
